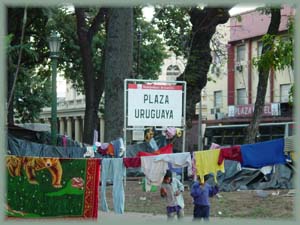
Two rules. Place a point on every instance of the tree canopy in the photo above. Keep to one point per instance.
(27, 63)
(188, 31)
(33, 84)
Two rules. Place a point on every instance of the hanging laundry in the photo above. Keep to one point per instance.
(207, 162)
(41, 191)
(119, 147)
(194, 171)
(95, 138)
(110, 150)
(231, 153)
(113, 170)
(164, 150)
(170, 132)
(102, 149)
(153, 144)
(134, 162)
(145, 188)
(104, 146)
(64, 141)
(154, 170)
(178, 160)
(214, 146)
(89, 152)
(177, 171)
(263, 153)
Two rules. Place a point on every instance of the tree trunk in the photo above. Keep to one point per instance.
(92, 85)
(263, 77)
(10, 110)
(204, 23)
(118, 66)
(17, 19)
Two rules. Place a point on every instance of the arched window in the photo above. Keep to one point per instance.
(173, 70)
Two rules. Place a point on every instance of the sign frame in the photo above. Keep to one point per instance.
(155, 83)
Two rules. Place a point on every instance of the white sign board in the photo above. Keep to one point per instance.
(138, 134)
(155, 105)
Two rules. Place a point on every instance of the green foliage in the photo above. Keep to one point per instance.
(266, 10)
(32, 87)
(152, 50)
(32, 91)
(211, 79)
(239, 18)
(175, 26)
(7, 41)
(279, 54)
(291, 94)
(151, 47)
(70, 57)
(267, 59)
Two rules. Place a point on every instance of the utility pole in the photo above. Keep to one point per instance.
(139, 39)
(200, 142)
(54, 44)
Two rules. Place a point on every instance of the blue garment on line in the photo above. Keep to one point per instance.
(178, 171)
(117, 143)
(263, 153)
(113, 170)
(153, 144)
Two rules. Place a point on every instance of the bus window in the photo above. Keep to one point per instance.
(227, 135)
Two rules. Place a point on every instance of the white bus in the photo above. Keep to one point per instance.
(226, 135)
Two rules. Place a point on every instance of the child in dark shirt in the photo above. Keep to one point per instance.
(201, 191)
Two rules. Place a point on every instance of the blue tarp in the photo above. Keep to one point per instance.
(263, 153)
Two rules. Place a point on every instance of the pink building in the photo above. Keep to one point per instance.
(245, 43)
(246, 31)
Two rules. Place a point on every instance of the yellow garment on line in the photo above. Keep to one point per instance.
(206, 162)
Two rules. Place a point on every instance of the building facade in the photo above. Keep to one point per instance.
(71, 104)
(70, 113)
(245, 44)
(230, 93)
(233, 107)
(214, 104)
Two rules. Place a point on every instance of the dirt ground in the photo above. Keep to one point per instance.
(250, 204)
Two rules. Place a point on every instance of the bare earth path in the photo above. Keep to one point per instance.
(250, 204)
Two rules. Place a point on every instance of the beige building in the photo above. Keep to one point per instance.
(214, 102)
(245, 44)
(172, 67)
(70, 112)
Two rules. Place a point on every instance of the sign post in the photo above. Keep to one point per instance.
(156, 104)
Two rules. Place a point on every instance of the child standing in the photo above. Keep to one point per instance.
(201, 191)
(167, 192)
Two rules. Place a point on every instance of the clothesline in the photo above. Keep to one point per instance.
(255, 155)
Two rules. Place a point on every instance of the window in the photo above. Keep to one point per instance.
(216, 63)
(218, 99)
(240, 53)
(241, 96)
(173, 70)
(284, 92)
(259, 48)
(235, 135)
